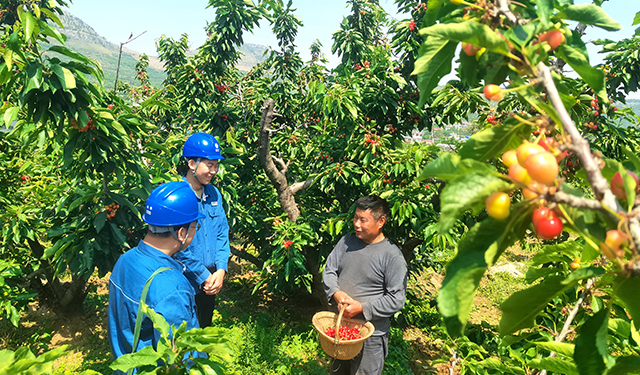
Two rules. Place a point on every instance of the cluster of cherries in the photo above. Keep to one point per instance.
(85, 128)
(344, 333)
(221, 88)
(364, 65)
(287, 243)
(534, 166)
(112, 208)
(371, 140)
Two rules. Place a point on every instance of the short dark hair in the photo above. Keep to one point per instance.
(168, 234)
(379, 207)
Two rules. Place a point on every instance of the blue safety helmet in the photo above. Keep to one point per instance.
(171, 204)
(202, 145)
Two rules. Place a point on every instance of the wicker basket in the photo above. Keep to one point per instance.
(333, 346)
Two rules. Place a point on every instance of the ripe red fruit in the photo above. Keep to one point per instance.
(542, 167)
(470, 49)
(554, 38)
(493, 92)
(546, 224)
(498, 205)
(548, 144)
(525, 149)
(110, 106)
(617, 186)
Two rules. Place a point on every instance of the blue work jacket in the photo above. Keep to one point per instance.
(209, 251)
(170, 294)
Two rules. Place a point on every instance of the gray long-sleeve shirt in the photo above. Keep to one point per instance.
(373, 274)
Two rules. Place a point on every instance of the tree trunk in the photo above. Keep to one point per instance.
(65, 298)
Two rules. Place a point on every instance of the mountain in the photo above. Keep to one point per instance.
(84, 39)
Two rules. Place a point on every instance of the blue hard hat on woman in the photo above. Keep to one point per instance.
(171, 204)
(202, 145)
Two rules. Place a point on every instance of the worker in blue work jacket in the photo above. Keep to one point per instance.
(207, 257)
(172, 215)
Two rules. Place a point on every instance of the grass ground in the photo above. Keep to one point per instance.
(270, 334)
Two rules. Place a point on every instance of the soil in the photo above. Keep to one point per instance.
(86, 334)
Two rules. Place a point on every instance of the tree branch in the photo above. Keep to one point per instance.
(278, 179)
(590, 164)
(295, 188)
(567, 324)
(574, 201)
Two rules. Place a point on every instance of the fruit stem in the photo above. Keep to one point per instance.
(472, 5)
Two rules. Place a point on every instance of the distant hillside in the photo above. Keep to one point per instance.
(84, 39)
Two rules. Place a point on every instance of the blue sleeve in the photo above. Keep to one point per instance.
(222, 245)
(195, 270)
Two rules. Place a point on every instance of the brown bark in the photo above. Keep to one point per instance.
(277, 176)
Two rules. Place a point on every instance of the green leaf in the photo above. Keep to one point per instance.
(629, 184)
(10, 115)
(626, 289)
(625, 365)
(561, 348)
(146, 356)
(477, 250)
(544, 11)
(471, 32)
(635, 160)
(433, 64)
(465, 192)
(99, 221)
(496, 364)
(554, 364)
(591, 15)
(521, 308)
(488, 143)
(66, 78)
(590, 354)
(72, 54)
(444, 167)
(595, 78)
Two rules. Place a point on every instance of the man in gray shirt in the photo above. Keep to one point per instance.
(368, 274)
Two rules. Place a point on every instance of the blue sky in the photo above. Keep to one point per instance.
(117, 19)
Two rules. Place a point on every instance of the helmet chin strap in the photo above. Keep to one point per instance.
(175, 235)
(198, 160)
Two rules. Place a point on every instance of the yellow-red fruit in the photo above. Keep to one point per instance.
(493, 92)
(531, 191)
(525, 149)
(617, 185)
(498, 205)
(470, 49)
(509, 158)
(575, 264)
(519, 174)
(610, 252)
(542, 167)
(615, 239)
(554, 38)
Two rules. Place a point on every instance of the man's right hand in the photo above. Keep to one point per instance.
(351, 306)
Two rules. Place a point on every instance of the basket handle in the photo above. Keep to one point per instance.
(336, 336)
